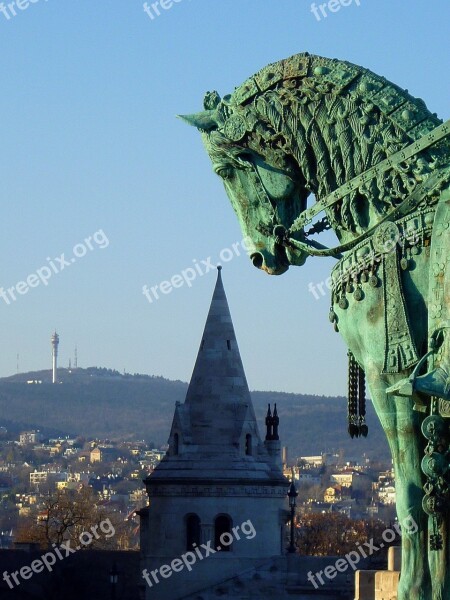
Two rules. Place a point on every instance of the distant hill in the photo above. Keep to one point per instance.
(99, 402)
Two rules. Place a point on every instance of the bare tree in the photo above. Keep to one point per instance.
(334, 534)
(66, 514)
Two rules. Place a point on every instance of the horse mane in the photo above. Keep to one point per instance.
(330, 120)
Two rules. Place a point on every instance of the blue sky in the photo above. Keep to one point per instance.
(90, 142)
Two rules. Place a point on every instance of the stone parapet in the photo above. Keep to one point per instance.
(377, 585)
(386, 585)
(394, 558)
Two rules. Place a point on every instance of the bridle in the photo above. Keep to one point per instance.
(283, 236)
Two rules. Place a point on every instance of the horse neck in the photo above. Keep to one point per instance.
(339, 139)
(328, 129)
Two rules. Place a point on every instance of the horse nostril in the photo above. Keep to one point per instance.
(257, 260)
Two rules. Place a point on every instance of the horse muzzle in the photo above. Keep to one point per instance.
(273, 265)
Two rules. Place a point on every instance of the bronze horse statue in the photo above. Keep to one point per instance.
(378, 164)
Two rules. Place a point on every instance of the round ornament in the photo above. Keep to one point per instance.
(235, 128)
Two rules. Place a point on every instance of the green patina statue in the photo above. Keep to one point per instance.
(378, 163)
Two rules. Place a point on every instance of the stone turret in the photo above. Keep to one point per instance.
(217, 473)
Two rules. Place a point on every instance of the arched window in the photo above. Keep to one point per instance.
(223, 537)
(176, 444)
(248, 444)
(192, 531)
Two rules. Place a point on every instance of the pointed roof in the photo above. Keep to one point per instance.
(213, 425)
(218, 398)
(218, 374)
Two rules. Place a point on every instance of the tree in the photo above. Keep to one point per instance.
(334, 534)
(67, 514)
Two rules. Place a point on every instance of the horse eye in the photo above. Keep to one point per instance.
(225, 172)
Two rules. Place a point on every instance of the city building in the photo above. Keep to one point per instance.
(385, 488)
(30, 437)
(345, 478)
(104, 454)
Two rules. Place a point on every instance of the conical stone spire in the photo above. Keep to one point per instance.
(218, 381)
(215, 432)
(218, 398)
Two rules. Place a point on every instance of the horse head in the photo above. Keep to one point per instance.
(265, 193)
(306, 126)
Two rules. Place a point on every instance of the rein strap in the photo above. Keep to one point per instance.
(410, 203)
(391, 162)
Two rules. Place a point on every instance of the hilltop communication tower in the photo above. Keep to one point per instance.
(55, 343)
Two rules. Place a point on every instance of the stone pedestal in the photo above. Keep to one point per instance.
(394, 558)
(386, 585)
(380, 585)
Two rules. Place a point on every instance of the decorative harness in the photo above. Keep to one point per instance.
(371, 248)
(284, 237)
(378, 244)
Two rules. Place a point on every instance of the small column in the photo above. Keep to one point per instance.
(207, 533)
(395, 558)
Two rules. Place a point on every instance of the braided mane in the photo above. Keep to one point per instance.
(329, 120)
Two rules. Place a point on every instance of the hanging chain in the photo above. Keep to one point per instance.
(363, 429)
(353, 428)
(356, 399)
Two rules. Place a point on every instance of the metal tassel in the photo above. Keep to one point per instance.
(356, 399)
(363, 429)
(353, 428)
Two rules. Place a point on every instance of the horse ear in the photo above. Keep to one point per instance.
(204, 120)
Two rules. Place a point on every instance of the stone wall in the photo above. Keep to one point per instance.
(277, 578)
(380, 585)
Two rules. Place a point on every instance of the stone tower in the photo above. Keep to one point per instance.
(219, 485)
